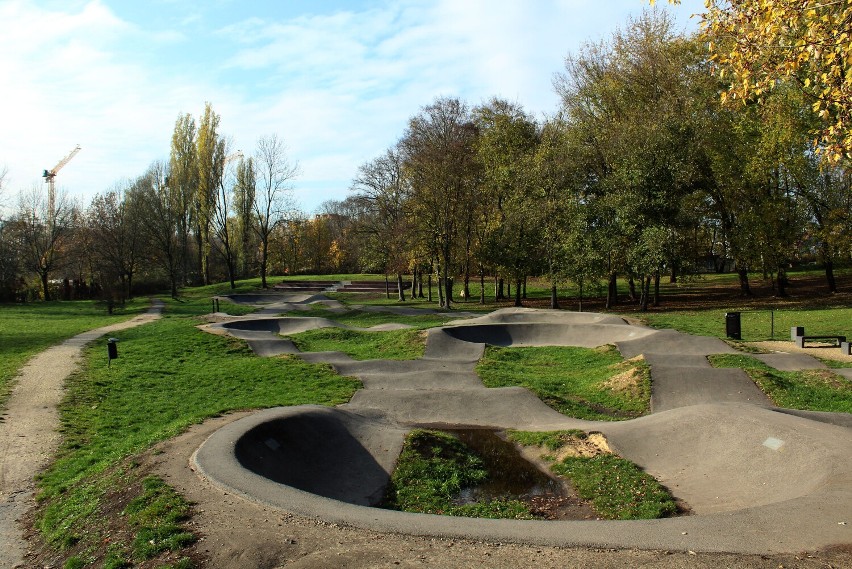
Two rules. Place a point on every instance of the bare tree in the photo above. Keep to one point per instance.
(273, 199)
(165, 222)
(44, 236)
(223, 222)
(116, 221)
(382, 192)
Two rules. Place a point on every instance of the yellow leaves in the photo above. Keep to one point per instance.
(760, 44)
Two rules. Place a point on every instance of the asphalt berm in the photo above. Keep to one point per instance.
(759, 480)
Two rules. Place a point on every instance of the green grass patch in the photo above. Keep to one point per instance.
(551, 440)
(367, 319)
(169, 375)
(616, 488)
(757, 324)
(390, 345)
(432, 470)
(27, 329)
(592, 384)
(810, 390)
(157, 515)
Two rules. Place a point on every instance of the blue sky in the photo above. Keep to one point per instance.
(337, 80)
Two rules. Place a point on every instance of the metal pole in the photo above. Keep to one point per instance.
(772, 313)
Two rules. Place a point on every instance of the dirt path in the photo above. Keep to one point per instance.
(29, 437)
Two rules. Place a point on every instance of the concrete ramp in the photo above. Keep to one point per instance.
(721, 458)
(673, 342)
(758, 479)
(685, 380)
(440, 380)
(547, 334)
(324, 451)
(504, 407)
(440, 344)
(519, 315)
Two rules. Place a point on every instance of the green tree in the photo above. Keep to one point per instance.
(183, 182)
(438, 152)
(505, 232)
(244, 191)
(210, 165)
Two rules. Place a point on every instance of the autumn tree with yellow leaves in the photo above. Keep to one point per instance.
(759, 44)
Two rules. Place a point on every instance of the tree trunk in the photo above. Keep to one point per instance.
(518, 293)
(420, 285)
(264, 256)
(612, 290)
(500, 295)
(448, 295)
(782, 282)
(509, 289)
(631, 288)
(466, 288)
(430, 288)
(829, 277)
(130, 285)
(581, 296)
(656, 288)
(745, 289)
(44, 285)
(554, 300)
(387, 287)
(645, 284)
(524, 293)
(399, 286)
(481, 284)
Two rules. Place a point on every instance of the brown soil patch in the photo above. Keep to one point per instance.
(629, 380)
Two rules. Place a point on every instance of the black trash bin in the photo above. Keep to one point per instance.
(733, 325)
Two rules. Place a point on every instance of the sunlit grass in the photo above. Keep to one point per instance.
(577, 382)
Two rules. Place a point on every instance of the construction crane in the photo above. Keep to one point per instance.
(234, 156)
(49, 177)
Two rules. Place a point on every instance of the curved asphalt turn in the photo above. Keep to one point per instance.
(758, 479)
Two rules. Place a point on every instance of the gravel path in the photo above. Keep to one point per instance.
(29, 437)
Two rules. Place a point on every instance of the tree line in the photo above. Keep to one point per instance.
(207, 214)
(644, 172)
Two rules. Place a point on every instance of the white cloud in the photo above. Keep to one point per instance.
(338, 87)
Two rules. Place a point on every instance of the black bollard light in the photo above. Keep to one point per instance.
(112, 350)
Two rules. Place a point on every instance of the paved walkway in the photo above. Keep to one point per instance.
(29, 437)
(758, 479)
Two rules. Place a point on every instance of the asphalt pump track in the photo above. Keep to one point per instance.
(758, 479)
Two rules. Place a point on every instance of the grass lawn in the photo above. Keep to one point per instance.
(389, 345)
(431, 472)
(593, 384)
(757, 324)
(366, 318)
(812, 390)
(27, 329)
(616, 488)
(169, 376)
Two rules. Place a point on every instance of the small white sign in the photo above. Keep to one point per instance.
(773, 443)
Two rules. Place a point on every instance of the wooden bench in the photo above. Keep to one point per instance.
(798, 336)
